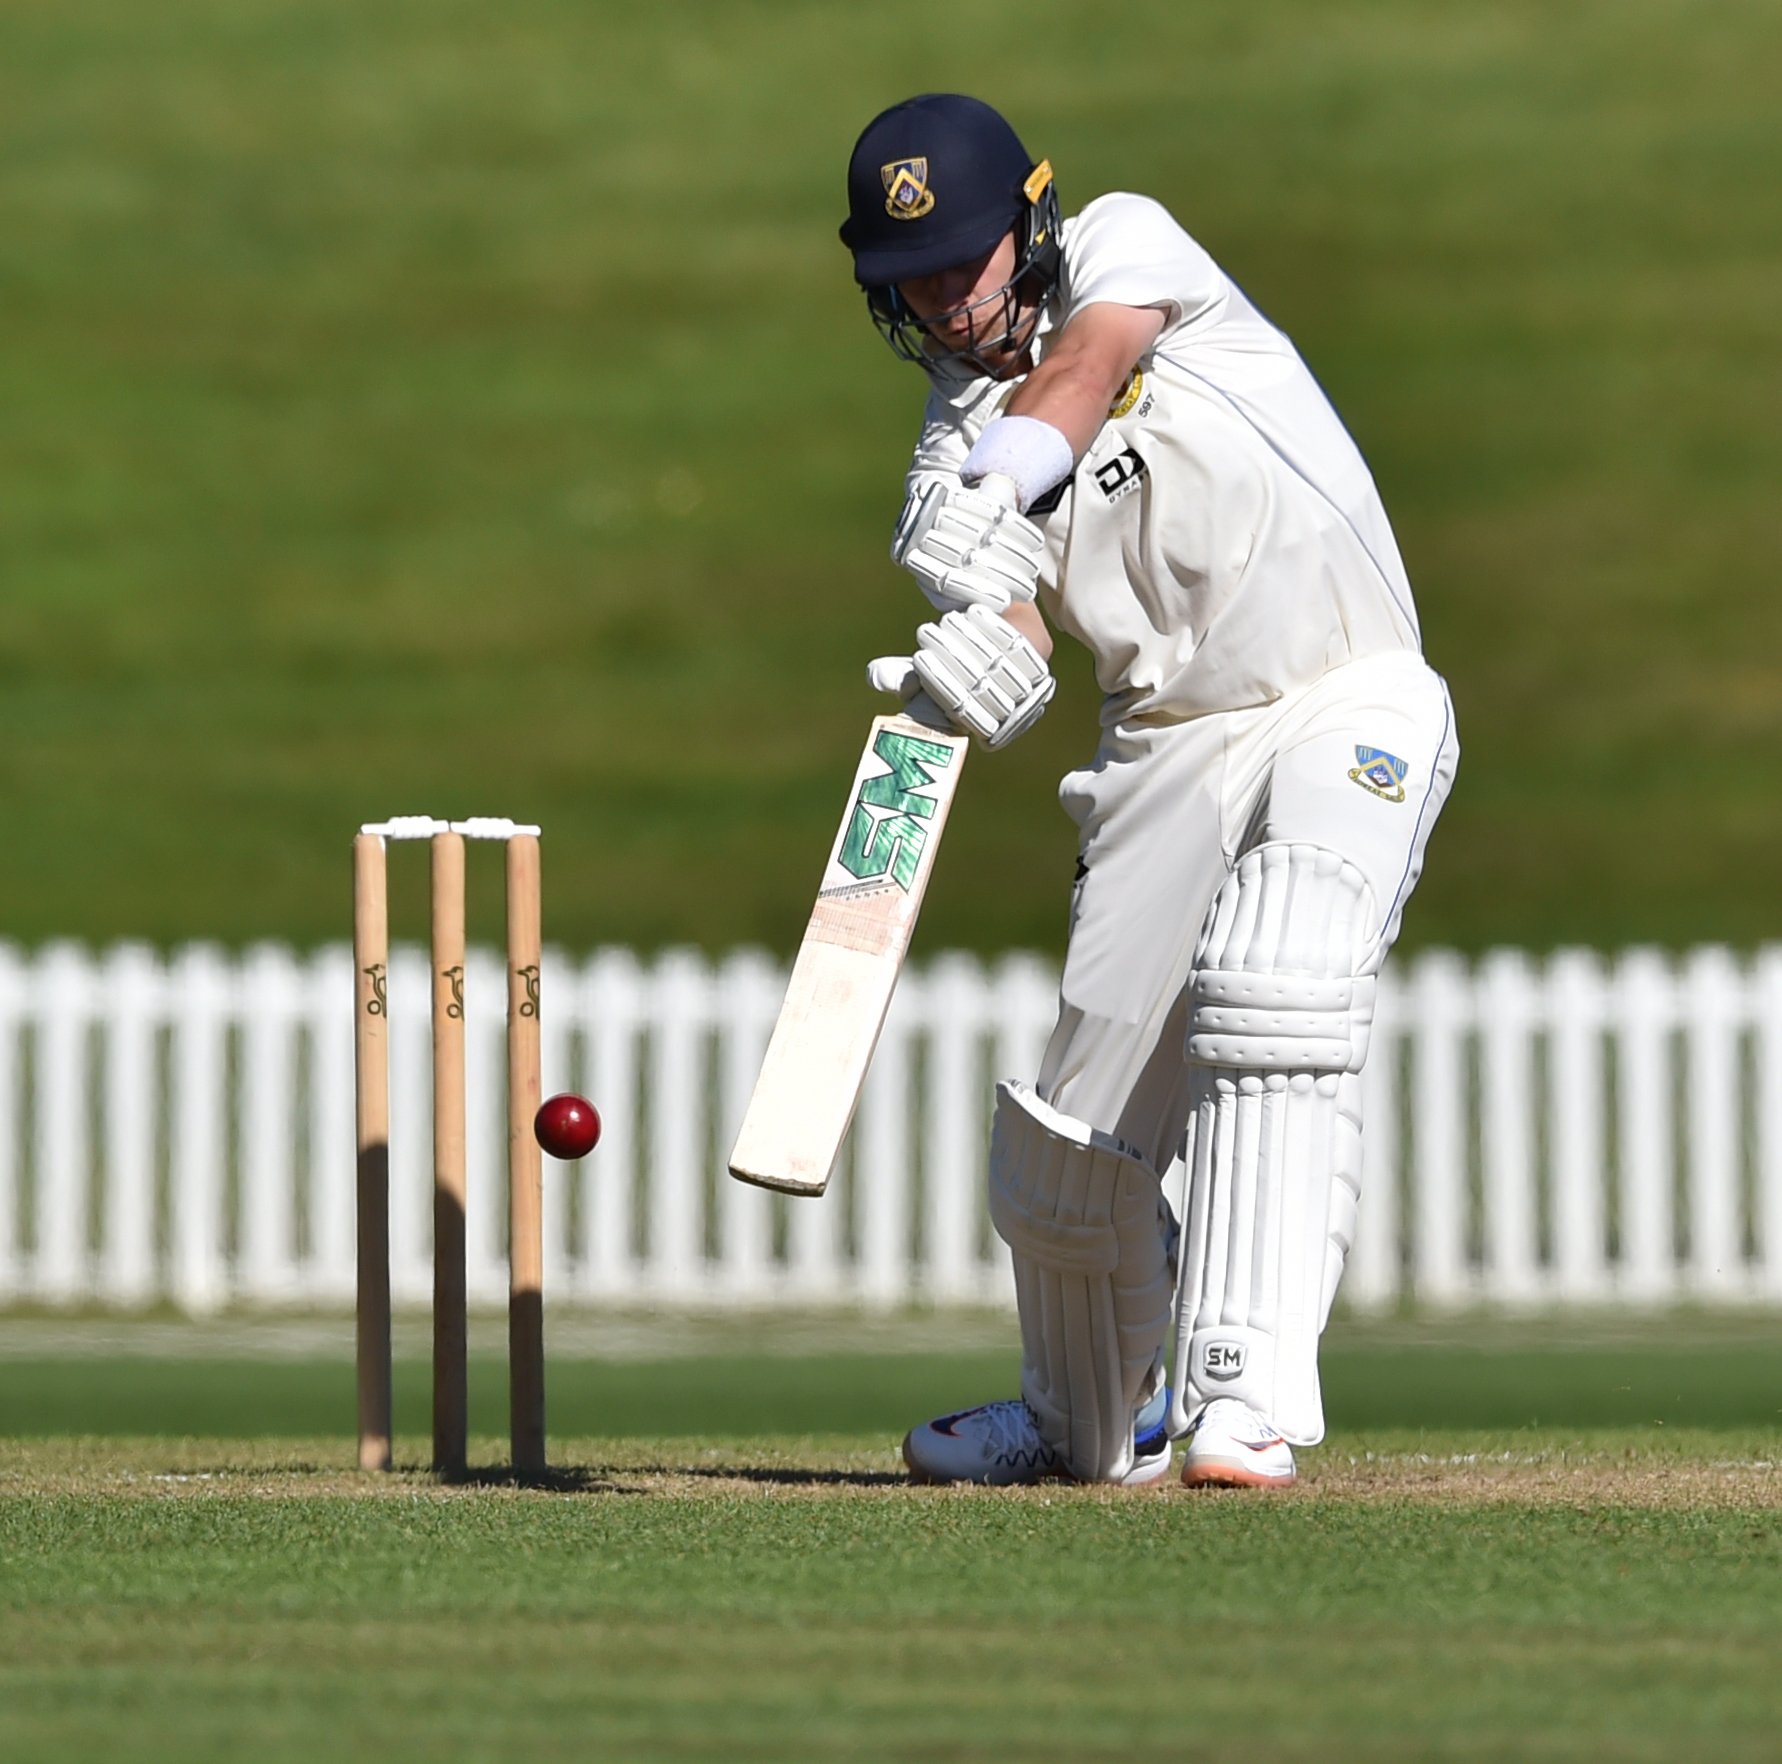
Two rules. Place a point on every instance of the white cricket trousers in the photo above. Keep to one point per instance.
(1164, 814)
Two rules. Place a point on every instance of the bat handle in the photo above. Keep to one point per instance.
(999, 488)
(921, 708)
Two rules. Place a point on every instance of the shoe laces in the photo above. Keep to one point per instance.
(1243, 1423)
(1014, 1432)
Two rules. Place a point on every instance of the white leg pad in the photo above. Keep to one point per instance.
(1345, 1191)
(1282, 993)
(1082, 1216)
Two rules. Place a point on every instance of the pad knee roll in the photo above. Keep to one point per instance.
(1283, 976)
(1082, 1216)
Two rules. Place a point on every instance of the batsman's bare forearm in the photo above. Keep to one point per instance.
(1083, 372)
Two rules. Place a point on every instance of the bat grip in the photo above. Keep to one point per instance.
(1000, 488)
(922, 709)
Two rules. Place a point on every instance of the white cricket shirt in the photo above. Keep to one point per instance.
(1222, 542)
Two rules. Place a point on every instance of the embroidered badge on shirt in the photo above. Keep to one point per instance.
(1381, 773)
(1130, 394)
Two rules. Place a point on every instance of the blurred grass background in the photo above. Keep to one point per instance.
(759, 1374)
(1367, 1387)
(438, 407)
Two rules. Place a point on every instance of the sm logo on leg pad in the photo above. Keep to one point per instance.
(1222, 1361)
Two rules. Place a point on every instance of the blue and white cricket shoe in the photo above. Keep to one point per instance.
(999, 1445)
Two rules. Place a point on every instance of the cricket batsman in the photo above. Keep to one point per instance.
(1117, 445)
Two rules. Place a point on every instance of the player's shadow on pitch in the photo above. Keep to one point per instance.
(620, 1479)
(554, 1479)
(791, 1477)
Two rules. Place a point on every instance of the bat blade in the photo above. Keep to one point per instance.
(853, 950)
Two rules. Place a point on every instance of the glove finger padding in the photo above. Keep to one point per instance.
(968, 549)
(984, 674)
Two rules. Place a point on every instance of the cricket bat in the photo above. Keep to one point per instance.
(848, 963)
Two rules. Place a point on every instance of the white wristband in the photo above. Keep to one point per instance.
(1028, 450)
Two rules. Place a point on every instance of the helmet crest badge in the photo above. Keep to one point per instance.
(907, 195)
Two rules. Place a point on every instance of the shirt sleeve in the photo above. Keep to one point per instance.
(940, 448)
(1130, 251)
(940, 452)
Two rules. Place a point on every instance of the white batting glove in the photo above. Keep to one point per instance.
(983, 674)
(968, 548)
(895, 674)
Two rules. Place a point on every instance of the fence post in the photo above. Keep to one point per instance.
(1576, 1000)
(13, 995)
(749, 990)
(1645, 1017)
(1438, 999)
(63, 1154)
(678, 1122)
(198, 1001)
(611, 1004)
(1023, 1005)
(953, 1136)
(1711, 993)
(1767, 1003)
(268, 997)
(130, 988)
(1506, 987)
(333, 1200)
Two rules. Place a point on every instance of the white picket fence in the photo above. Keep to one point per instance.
(1575, 1130)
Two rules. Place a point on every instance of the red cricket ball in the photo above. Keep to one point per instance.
(567, 1125)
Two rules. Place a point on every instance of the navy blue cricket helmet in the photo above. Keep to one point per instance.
(934, 182)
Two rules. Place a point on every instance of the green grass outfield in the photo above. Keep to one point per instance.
(1535, 1540)
(418, 404)
(1606, 1598)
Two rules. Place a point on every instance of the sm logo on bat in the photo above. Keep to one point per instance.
(887, 831)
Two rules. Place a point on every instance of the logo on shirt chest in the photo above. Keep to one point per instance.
(1121, 475)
